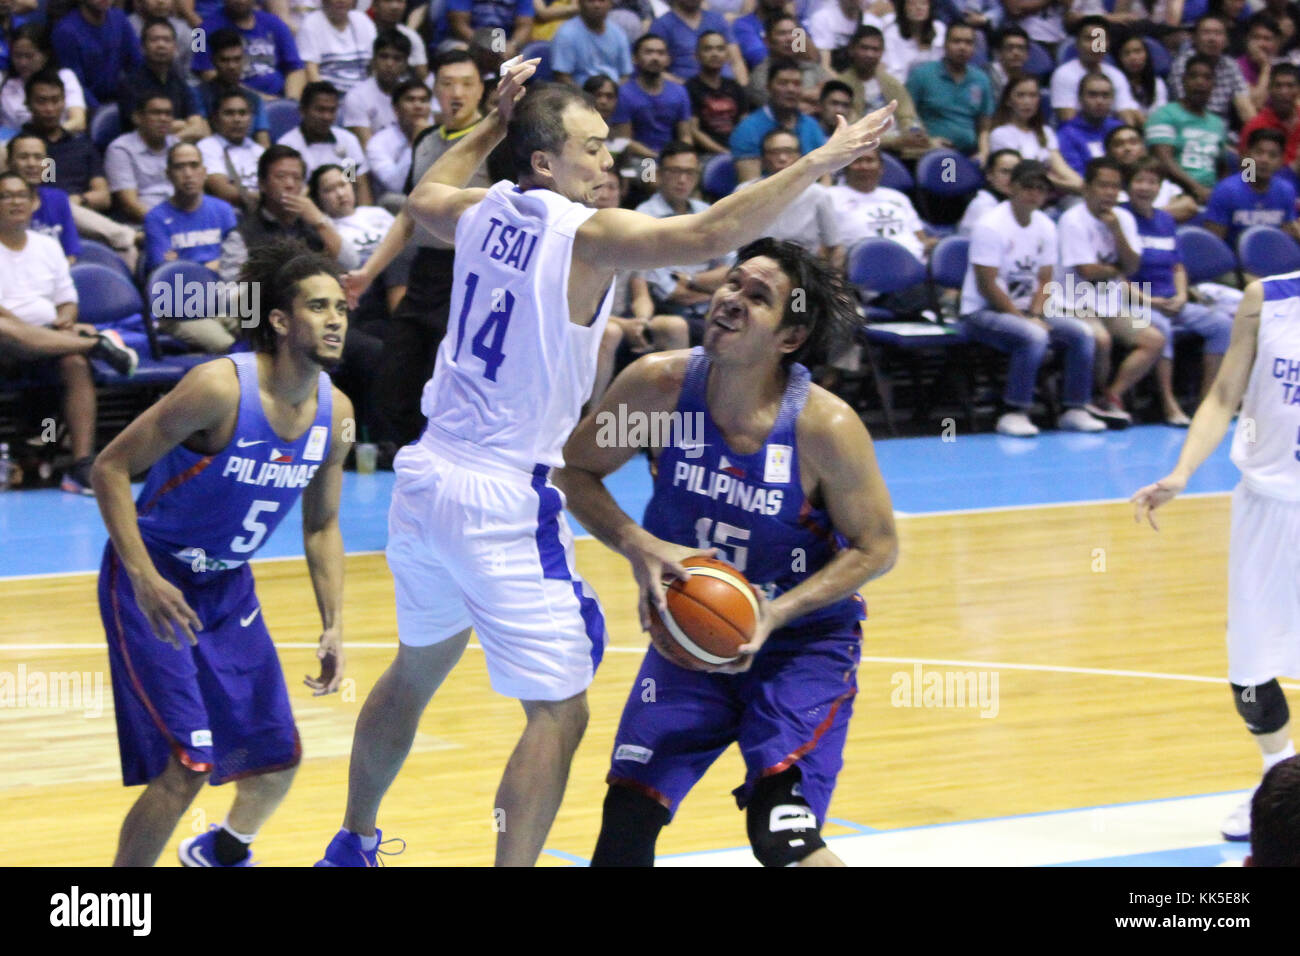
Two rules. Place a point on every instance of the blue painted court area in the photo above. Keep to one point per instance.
(51, 532)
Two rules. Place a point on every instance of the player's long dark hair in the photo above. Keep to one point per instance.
(276, 267)
(820, 299)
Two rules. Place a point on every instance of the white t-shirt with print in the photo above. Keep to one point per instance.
(1023, 141)
(882, 213)
(1018, 252)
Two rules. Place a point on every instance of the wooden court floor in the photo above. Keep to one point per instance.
(1090, 624)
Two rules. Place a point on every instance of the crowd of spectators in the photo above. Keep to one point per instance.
(191, 130)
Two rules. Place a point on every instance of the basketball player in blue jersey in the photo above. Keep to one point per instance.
(1261, 375)
(197, 687)
(781, 480)
(476, 538)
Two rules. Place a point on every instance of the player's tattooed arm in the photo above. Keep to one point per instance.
(199, 410)
(598, 447)
(323, 545)
(1212, 418)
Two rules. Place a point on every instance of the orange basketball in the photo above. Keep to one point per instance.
(710, 614)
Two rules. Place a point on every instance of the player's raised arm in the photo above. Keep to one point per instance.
(623, 239)
(207, 395)
(440, 196)
(1212, 419)
(596, 448)
(323, 545)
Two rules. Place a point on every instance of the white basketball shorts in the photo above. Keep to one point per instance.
(1263, 588)
(473, 542)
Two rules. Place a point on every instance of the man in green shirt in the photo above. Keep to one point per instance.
(953, 99)
(1185, 136)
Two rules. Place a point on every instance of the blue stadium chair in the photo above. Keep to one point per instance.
(719, 176)
(539, 48)
(99, 254)
(1161, 61)
(106, 126)
(1204, 255)
(878, 266)
(1040, 62)
(943, 177)
(108, 299)
(948, 261)
(895, 175)
(281, 116)
(1267, 251)
(157, 301)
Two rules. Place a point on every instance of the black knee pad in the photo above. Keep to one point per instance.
(782, 827)
(1262, 706)
(629, 828)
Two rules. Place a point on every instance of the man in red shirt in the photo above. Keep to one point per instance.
(1279, 110)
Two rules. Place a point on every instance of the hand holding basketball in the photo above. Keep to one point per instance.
(1147, 500)
(768, 621)
(653, 560)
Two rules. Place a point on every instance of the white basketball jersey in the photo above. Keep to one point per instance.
(513, 372)
(1266, 445)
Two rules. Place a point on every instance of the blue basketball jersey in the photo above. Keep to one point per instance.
(214, 511)
(750, 507)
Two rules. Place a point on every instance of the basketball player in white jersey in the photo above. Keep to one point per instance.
(476, 535)
(1261, 373)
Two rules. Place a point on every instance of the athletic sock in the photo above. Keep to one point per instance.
(368, 843)
(1272, 760)
(230, 846)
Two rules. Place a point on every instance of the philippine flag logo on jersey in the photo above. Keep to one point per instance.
(725, 465)
(282, 457)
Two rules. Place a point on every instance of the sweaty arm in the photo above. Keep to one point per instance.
(323, 545)
(204, 399)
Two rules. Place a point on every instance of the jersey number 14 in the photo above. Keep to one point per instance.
(491, 334)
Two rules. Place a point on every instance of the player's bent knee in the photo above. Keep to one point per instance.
(1262, 706)
(629, 828)
(181, 780)
(783, 828)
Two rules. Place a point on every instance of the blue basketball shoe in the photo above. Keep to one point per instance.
(199, 851)
(345, 850)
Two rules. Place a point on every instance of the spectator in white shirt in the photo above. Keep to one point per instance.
(864, 209)
(320, 142)
(230, 155)
(1005, 304)
(361, 228)
(1100, 249)
(389, 151)
(368, 106)
(808, 221)
(832, 25)
(1018, 124)
(335, 43)
(1092, 41)
(38, 322)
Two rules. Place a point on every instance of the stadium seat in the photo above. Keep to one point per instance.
(1161, 61)
(948, 260)
(1040, 62)
(106, 126)
(281, 116)
(1204, 255)
(943, 178)
(542, 49)
(895, 175)
(94, 252)
(106, 298)
(165, 346)
(1266, 251)
(877, 266)
(719, 176)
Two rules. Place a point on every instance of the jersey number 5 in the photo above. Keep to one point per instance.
(246, 543)
(493, 328)
(723, 535)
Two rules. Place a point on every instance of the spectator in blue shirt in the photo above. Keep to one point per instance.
(190, 225)
(515, 17)
(1083, 136)
(587, 45)
(96, 42)
(953, 98)
(784, 91)
(273, 67)
(226, 49)
(1255, 197)
(748, 32)
(681, 28)
(652, 111)
(53, 214)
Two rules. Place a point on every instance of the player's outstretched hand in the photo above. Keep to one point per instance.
(164, 606)
(355, 284)
(655, 562)
(514, 74)
(851, 140)
(768, 621)
(1147, 500)
(330, 655)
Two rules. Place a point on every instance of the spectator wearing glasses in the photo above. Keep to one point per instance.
(136, 162)
(1010, 54)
